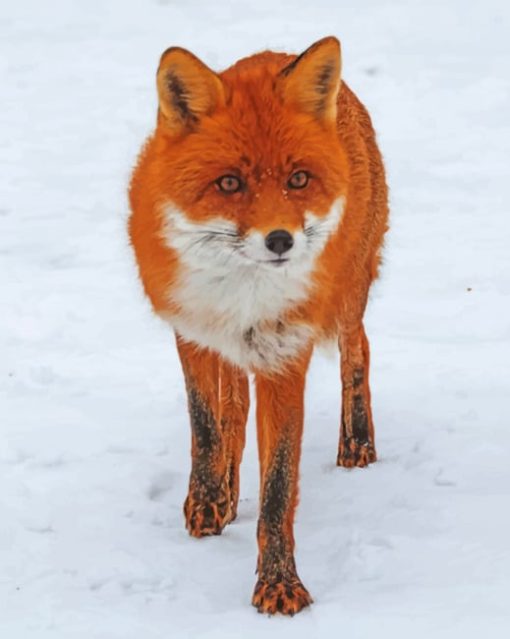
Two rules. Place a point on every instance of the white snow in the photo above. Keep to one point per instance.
(94, 433)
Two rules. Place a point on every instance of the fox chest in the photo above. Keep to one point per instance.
(241, 315)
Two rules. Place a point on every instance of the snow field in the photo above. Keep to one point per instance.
(94, 437)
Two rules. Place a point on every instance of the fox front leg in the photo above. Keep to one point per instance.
(218, 406)
(280, 400)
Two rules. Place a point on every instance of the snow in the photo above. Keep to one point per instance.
(94, 433)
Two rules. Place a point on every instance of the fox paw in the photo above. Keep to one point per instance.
(286, 597)
(355, 454)
(205, 517)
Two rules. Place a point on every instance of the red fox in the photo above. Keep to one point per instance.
(259, 206)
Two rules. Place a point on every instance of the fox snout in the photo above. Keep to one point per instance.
(222, 242)
(273, 247)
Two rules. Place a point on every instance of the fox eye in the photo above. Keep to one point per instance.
(229, 184)
(298, 180)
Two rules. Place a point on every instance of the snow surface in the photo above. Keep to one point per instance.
(94, 432)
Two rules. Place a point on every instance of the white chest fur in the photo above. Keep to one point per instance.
(231, 299)
(238, 315)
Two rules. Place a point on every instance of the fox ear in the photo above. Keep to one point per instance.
(311, 82)
(187, 90)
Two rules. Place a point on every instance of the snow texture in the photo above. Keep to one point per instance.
(94, 447)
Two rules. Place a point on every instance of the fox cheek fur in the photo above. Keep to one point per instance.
(259, 207)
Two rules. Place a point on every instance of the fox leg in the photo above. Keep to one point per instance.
(356, 446)
(218, 405)
(235, 395)
(280, 400)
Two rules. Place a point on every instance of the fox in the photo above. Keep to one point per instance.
(259, 206)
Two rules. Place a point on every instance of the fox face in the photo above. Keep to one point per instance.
(252, 168)
(251, 183)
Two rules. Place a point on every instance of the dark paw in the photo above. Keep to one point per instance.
(353, 454)
(204, 517)
(286, 597)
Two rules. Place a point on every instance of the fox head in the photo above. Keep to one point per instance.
(250, 170)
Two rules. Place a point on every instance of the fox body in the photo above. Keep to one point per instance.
(259, 207)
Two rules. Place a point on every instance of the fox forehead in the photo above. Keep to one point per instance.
(255, 130)
(254, 139)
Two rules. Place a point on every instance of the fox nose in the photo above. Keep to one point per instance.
(279, 241)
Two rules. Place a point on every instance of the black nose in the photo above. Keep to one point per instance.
(279, 241)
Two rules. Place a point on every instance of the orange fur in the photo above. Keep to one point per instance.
(262, 120)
